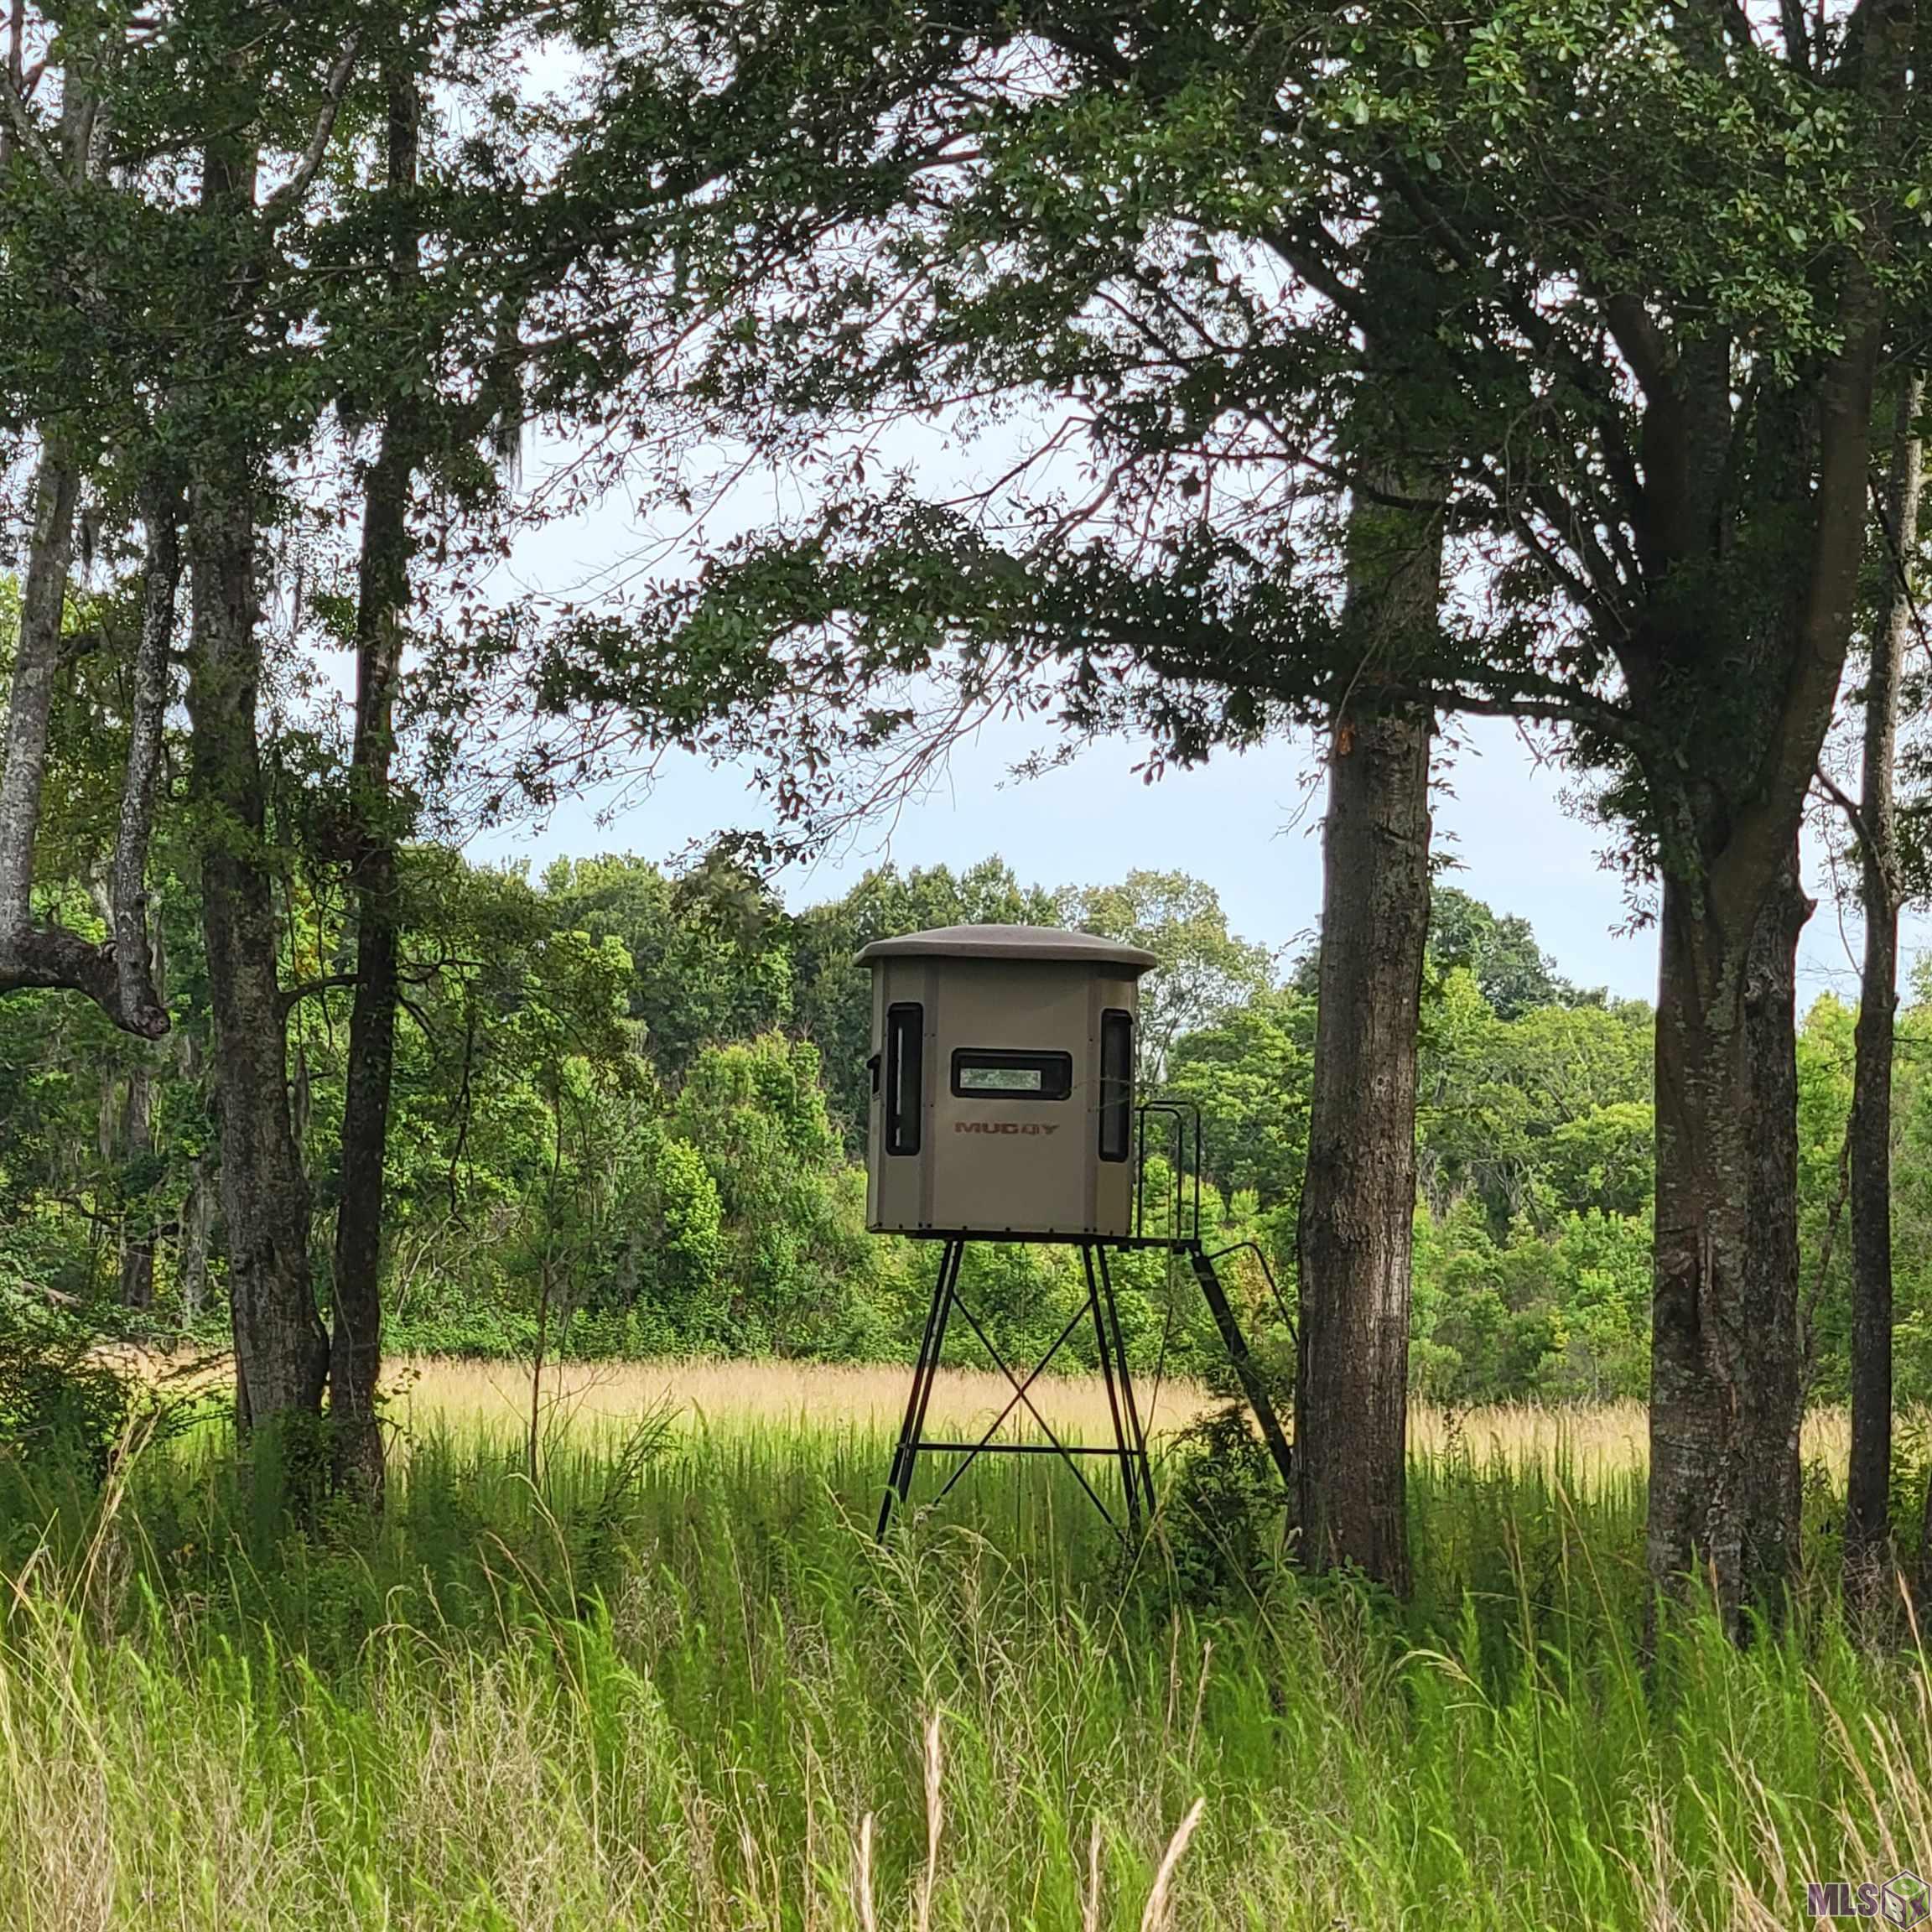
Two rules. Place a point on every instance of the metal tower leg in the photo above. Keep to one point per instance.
(1236, 1344)
(1107, 1344)
(1136, 1447)
(932, 1347)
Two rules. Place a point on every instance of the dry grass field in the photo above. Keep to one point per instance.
(433, 1392)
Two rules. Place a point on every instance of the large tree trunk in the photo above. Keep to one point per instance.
(1725, 1379)
(356, 1356)
(114, 975)
(1868, 1554)
(1746, 704)
(1354, 1233)
(1358, 1198)
(1734, 679)
(281, 1351)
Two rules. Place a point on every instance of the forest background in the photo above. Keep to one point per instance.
(630, 1120)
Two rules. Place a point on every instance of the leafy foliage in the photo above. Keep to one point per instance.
(629, 1103)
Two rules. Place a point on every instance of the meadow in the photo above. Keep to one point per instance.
(674, 1683)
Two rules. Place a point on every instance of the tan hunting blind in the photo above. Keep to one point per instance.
(1003, 1108)
(1003, 1082)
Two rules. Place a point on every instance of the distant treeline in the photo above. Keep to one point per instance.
(629, 1107)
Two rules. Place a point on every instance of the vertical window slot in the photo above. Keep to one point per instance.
(904, 1076)
(1116, 1084)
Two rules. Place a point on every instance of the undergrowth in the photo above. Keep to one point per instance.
(677, 1684)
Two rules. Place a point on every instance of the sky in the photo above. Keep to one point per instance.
(1250, 825)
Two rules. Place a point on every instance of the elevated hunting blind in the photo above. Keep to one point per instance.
(1003, 1082)
(1003, 1108)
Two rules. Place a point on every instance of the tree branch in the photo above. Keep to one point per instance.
(285, 197)
(21, 119)
(51, 956)
(1846, 804)
(1645, 346)
(1320, 276)
(1797, 37)
(293, 996)
(1855, 817)
(423, 1023)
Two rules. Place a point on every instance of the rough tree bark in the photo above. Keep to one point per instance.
(281, 1350)
(1727, 1357)
(1744, 704)
(114, 974)
(1869, 1553)
(1353, 1236)
(281, 1347)
(1752, 574)
(382, 603)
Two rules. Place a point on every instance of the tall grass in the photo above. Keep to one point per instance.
(678, 1685)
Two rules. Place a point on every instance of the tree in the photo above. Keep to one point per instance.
(1667, 241)
(1533, 1117)
(61, 201)
(281, 1347)
(1514, 973)
(1356, 1219)
(708, 958)
(284, 291)
(1248, 1071)
(382, 606)
(796, 1260)
(1205, 970)
(1869, 1566)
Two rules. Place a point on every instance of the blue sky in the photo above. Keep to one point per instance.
(1248, 825)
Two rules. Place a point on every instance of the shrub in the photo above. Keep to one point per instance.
(1226, 1516)
(61, 1401)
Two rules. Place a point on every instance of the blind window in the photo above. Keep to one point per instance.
(1116, 1084)
(904, 1076)
(998, 1073)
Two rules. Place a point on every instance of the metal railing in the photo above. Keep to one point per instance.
(1184, 1140)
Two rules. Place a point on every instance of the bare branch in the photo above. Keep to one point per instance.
(293, 996)
(424, 1024)
(32, 143)
(1855, 817)
(1846, 804)
(285, 199)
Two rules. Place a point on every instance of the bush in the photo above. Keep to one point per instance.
(1226, 1517)
(61, 1402)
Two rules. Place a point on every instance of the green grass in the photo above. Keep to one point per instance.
(685, 1690)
